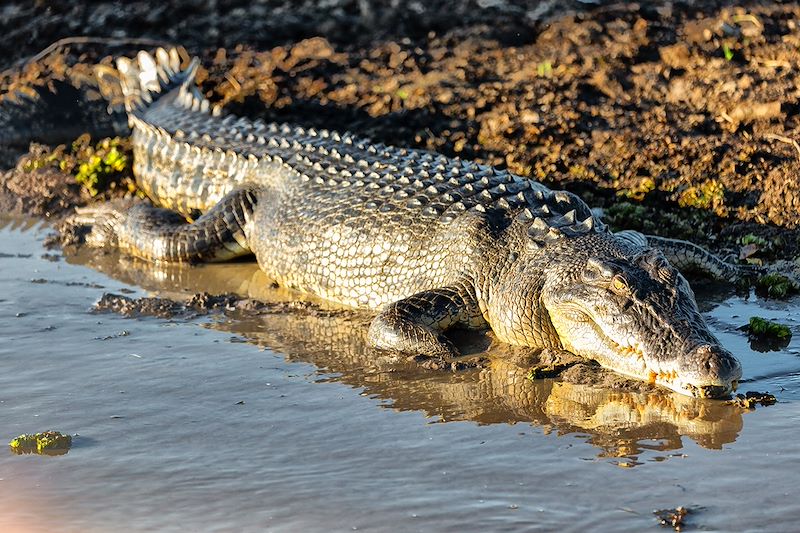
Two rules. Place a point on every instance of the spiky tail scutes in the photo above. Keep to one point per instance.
(101, 105)
(151, 77)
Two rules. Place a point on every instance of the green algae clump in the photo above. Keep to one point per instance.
(44, 443)
(775, 285)
(761, 327)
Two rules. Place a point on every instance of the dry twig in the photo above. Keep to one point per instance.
(784, 139)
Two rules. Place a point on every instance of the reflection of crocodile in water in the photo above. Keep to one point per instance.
(624, 424)
(428, 241)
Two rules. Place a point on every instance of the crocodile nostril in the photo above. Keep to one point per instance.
(716, 361)
(708, 358)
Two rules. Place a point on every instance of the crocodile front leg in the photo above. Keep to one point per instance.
(415, 326)
(157, 234)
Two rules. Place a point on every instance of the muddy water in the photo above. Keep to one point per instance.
(286, 421)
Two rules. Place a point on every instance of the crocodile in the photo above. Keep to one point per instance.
(424, 241)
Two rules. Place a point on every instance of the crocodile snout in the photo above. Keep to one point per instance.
(716, 362)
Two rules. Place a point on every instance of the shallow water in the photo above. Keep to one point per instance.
(287, 422)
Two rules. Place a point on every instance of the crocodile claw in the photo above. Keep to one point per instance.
(95, 225)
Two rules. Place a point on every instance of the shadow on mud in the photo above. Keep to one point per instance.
(623, 419)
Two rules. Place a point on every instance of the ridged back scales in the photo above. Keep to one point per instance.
(355, 222)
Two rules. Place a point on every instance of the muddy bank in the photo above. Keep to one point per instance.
(679, 118)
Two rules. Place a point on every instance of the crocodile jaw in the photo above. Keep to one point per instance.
(703, 371)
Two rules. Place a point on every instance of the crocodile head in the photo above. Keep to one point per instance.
(634, 313)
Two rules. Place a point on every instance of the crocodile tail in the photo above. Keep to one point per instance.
(151, 77)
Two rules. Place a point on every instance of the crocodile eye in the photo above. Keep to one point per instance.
(597, 271)
(619, 285)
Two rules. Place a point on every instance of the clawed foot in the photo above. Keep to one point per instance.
(95, 225)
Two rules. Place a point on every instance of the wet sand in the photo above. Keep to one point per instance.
(283, 420)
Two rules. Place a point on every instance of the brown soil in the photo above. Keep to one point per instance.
(45, 192)
(688, 113)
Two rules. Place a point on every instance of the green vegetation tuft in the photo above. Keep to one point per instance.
(690, 225)
(708, 195)
(761, 327)
(102, 166)
(544, 69)
(754, 239)
(727, 52)
(775, 285)
(96, 167)
(46, 442)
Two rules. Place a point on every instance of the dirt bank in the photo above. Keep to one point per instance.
(683, 118)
